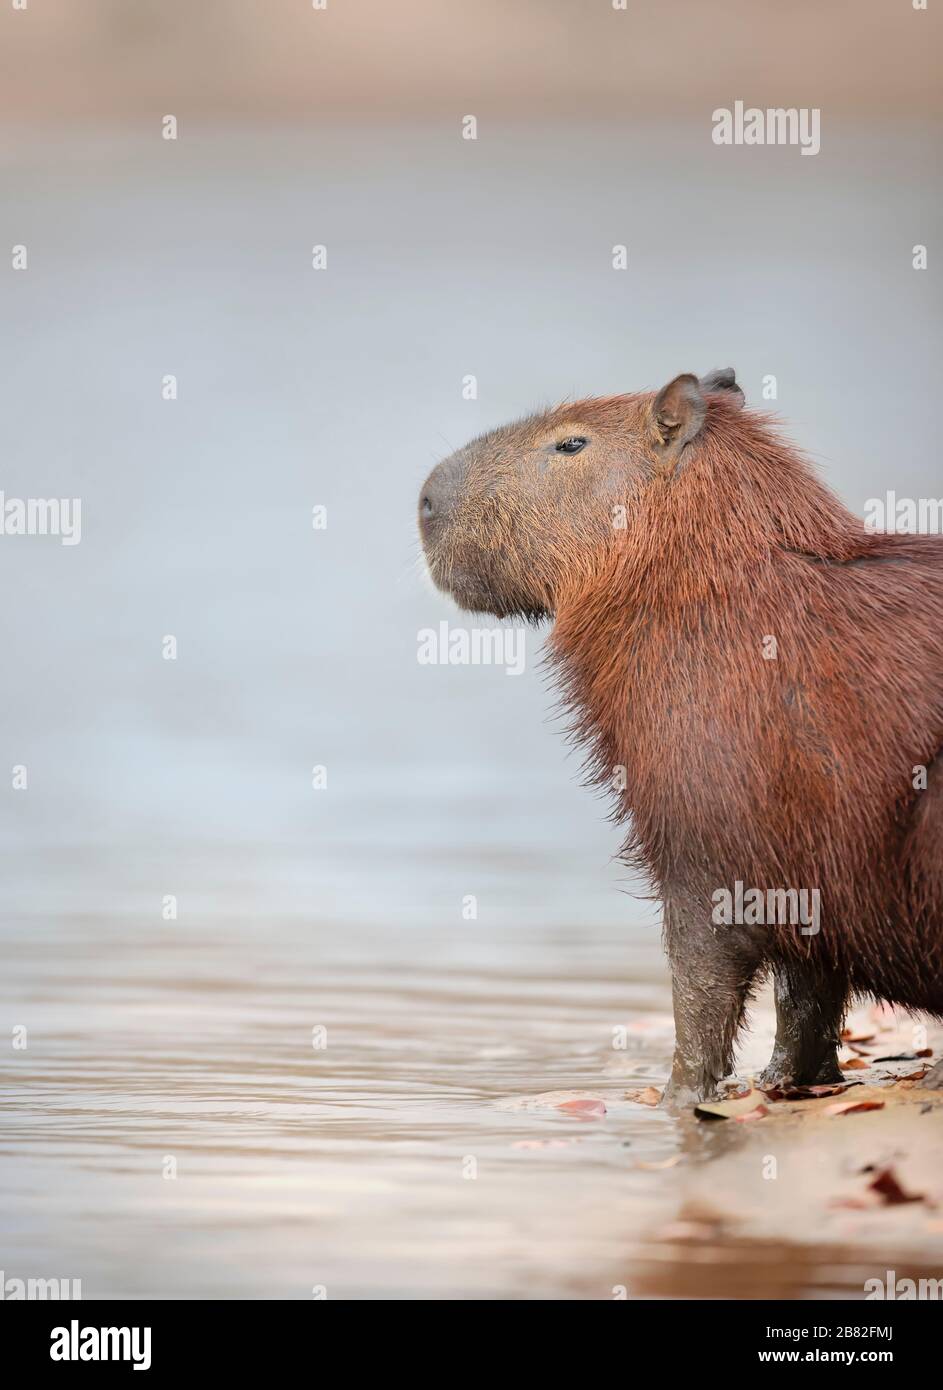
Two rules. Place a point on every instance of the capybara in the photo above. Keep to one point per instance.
(758, 678)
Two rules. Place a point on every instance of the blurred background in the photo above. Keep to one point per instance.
(340, 388)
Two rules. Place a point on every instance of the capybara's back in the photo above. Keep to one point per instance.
(759, 679)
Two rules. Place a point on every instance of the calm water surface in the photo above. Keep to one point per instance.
(389, 1161)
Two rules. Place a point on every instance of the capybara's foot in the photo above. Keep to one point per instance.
(828, 1073)
(677, 1098)
(933, 1080)
(777, 1073)
(773, 1079)
(680, 1095)
(780, 1074)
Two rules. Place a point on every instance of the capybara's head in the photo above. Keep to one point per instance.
(520, 515)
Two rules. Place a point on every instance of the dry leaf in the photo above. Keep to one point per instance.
(853, 1064)
(547, 1100)
(583, 1109)
(543, 1143)
(739, 1108)
(890, 1191)
(657, 1167)
(648, 1095)
(808, 1092)
(757, 1114)
(849, 1107)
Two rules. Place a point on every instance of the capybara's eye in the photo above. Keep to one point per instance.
(571, 445)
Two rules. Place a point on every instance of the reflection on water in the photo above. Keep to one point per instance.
(365, 1112)
(351, 1166)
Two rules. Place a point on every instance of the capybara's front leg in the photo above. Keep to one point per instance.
(712, 969)
(810, 1009)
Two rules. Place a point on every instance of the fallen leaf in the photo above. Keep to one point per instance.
(543, 1143)
(662, 1163)
(849, 1035)
(757, 1114)
(889, 1189)
(808, 1092)
(648, 1095)
(849, 1107)
(739, 1108)
(915, 1075)
(853, 1064)
(584, 1109)
(546, 1100)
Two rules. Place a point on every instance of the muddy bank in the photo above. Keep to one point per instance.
(818, 1196)
(807, 1201)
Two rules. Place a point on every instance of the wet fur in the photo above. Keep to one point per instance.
(795, 772)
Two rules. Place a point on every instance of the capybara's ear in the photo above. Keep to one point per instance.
(677, 415)
(724, 379)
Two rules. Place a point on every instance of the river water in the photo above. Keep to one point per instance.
(399, 1156)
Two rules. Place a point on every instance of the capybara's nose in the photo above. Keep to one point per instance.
(438, 496)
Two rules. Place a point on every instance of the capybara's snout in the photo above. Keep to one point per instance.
(457, 548)
(437, 501)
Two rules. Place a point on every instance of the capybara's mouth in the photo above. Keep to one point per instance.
(475, 593)
(468, 590)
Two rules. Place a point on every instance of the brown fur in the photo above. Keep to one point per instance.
(795, 772)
